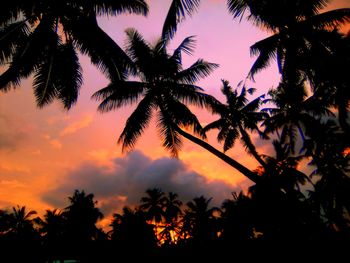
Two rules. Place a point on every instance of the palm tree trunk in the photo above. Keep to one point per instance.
(239, 167)
(251, 147)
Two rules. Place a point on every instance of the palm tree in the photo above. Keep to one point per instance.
(152, 205)
(328, 148)
(201, 219)
(130, 230)
(301, 39)
(22, 224)
(54, 226)
(164, 89)
(43, 37)
(172, 211)
(82, 216)
(236, 117)
(295, 113)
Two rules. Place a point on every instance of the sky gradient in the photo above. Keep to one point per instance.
(47, 153)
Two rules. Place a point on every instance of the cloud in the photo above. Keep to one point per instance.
(126, 183)
(78, 125)
(55, 144)
(11, 133)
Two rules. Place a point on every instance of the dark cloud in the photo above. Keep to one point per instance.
(130, 176)
(10, 134)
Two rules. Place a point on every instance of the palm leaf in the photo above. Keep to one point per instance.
(177, 12)
(237, 7)
(11, 37)
(118, 94)
(171, 139)
(187, 46)
(200, 69)
(266, 49)
(136, 123)
(113, 8)
(330, 19)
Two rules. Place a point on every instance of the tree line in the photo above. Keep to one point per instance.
(161, 226)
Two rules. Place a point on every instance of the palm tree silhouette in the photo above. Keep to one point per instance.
(43, 38)
(165, 89)
(236, 117)
(172, 211)
(82, 216)
(152, 205)
(131, 231)
(302, 38)
(200, 219)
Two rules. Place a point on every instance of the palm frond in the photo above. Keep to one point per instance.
(113, 8)
(118, 94)
(104, 53)
(191, 94)
(177, 12)
(266, 50)
(170, 137)
(187, 46)
(331, 19)
(237, 7)
(138, 49)
(200, 69)
(183, 116)
(232, 136)
(11, 37)
(68, 74)
(136, 123)
(218, 124)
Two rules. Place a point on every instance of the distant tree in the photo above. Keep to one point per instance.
(82, 216)
(200, 221)
(131, 231)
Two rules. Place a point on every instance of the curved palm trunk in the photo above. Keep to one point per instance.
(250, 146)
(239, 167)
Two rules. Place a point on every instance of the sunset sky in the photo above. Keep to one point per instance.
(47, 153)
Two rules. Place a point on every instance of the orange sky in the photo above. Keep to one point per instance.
(46, 154)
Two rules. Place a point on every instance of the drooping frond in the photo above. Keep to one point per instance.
(266, 50)
(118, 94)
(170, 138)
(29, 54)
(109, 58)
(177, 12)
(136, 123)
(11, 37)
(200, 69)
(111, 7)
(58, 77)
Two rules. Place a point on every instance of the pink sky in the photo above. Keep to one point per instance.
(46, 154)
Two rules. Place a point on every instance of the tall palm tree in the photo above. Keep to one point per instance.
(301, 38)
(164, 89)
(43, 37)
(236, 117)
